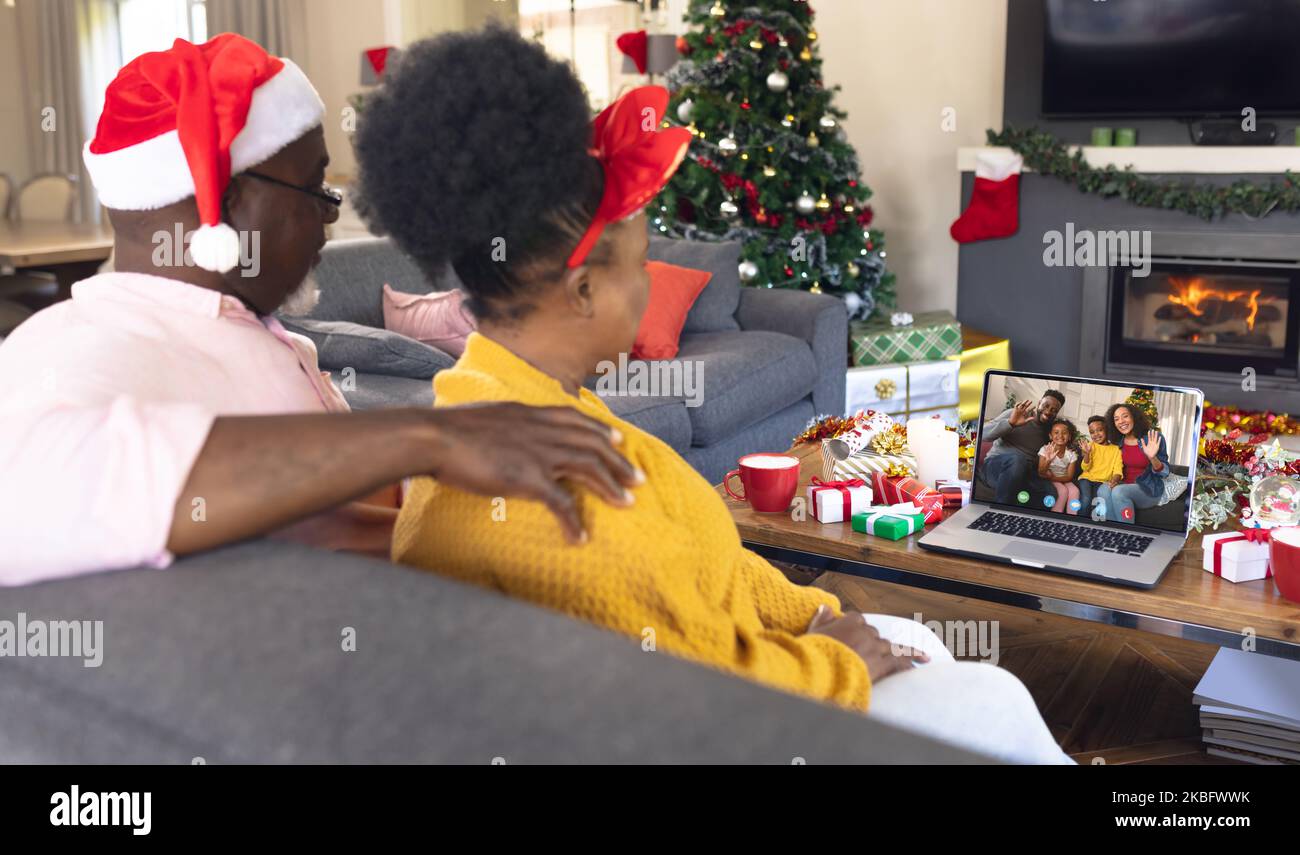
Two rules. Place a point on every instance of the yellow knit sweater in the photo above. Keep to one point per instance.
(668, 571)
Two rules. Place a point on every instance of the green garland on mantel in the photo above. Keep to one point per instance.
(1047, 155)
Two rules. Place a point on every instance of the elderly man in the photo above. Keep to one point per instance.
(1018, 433)
(163, 410)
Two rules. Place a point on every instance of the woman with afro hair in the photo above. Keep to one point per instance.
(479, 151)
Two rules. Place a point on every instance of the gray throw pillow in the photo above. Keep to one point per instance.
(369, 350)
(715, 308)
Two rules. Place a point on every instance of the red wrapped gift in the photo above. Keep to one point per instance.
(904, 488)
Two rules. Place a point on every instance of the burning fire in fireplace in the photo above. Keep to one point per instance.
(1201, 299)
(1206, 310)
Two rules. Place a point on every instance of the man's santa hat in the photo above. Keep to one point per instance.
(180, 122)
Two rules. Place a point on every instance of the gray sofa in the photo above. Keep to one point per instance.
(237, 656)
(770, 359)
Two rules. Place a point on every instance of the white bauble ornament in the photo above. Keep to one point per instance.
(853, 303)
(827, 122)
(728, 209)
(805, 204)
(748, 270)
(728, 145)
(778, 81)
(686, 110)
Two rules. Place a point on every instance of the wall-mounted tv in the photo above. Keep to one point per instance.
(1171, 58)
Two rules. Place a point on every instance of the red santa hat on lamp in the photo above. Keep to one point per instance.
(180, 122)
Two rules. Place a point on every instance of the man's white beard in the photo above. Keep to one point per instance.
(302, 299)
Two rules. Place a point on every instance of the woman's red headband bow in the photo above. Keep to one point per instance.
(638, 158)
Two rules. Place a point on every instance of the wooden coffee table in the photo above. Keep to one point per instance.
(1188, 603)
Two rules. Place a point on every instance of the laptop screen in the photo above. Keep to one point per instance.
(1087, 449)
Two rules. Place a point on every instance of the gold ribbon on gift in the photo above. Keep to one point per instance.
(980, 351)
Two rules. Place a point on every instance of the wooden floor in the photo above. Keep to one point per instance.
(1109, 695)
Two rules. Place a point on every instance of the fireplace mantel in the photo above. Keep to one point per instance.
(1170, 159)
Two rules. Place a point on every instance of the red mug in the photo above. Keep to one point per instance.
(1284, 560)
(769, 481)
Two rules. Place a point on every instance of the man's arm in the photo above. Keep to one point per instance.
(998, 427)
(258, 473)
(133, 483)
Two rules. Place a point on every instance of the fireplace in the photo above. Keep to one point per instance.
(1207, 315)
(1220, 312)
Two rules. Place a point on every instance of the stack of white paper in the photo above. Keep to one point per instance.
(1250, 707)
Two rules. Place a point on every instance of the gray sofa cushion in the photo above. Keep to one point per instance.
(352, 274)
(773, 433)
(237, 656)
(379, 392)
(341, 344)
(715, 308)
(746, 376)
(664, 417)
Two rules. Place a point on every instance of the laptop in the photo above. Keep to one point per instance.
(1017, 516)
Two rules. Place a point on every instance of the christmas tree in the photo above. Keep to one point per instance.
(768, 164)
(1145, 401)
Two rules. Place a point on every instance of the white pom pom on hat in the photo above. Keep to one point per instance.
(178, 123)
(215, 247)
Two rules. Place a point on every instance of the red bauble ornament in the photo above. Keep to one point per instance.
(682, 46)
(789, 271)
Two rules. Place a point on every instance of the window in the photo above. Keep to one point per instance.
(583, 33)
(148, 25)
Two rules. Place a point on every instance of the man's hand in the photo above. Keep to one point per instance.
(1021, 413)
(507, 449)
(864, 640)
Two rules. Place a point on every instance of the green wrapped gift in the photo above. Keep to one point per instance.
(929, 336)
(885, 523)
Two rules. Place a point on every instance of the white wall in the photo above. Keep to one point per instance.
(901, 62)
(337, 32)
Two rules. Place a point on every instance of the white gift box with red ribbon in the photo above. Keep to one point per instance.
(838, 501)
(1236, 556)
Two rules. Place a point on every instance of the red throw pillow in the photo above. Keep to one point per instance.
(673, 290)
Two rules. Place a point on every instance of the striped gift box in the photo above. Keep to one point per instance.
(861, 465)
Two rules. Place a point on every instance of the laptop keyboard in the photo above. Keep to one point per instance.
(1079, 536)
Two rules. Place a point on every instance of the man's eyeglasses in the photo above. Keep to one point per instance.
(326, 193)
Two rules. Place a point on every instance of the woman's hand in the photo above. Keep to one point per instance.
(508, 449)
(1151, 446)
(878, 653)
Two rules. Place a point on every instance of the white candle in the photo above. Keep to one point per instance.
(935, 450)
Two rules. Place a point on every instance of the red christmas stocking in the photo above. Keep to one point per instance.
(994, 209)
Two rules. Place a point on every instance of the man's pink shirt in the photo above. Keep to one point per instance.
(108, 399)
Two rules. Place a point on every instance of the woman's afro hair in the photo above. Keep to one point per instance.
(474, 136)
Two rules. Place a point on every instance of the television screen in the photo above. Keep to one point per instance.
(1179, 58)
